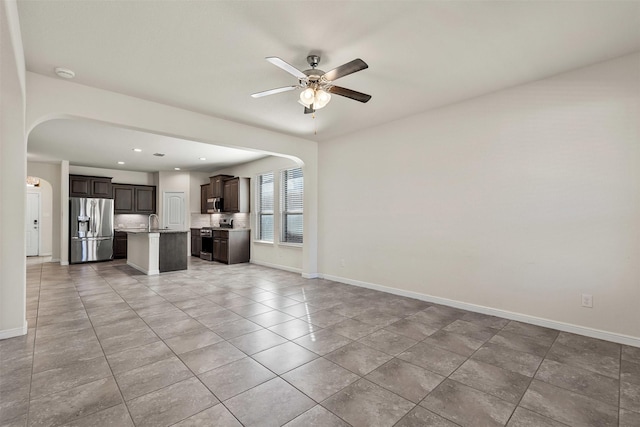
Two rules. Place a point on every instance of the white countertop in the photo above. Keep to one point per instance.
(224, 229)
(146, 231)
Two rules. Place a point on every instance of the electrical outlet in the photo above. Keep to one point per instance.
(342, 263)
(587, 300)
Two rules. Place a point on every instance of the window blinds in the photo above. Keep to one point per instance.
(265, 207)
(292, 205)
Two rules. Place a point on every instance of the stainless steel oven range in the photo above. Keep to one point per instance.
(206, 234)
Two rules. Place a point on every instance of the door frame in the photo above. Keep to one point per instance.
(39, 215)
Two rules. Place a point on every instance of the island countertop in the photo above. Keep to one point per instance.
(147, 231)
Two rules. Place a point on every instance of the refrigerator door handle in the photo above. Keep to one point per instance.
(92, 225)
(91, 239)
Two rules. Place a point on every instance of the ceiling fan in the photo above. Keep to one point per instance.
(318, 85)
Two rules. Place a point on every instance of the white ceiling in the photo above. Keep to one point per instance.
(93, 144)
(208, 56)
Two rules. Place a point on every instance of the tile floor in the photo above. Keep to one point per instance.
(246, 345)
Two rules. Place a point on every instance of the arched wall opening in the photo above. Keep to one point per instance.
(62, 137)
(50, 99)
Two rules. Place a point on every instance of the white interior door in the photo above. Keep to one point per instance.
(33, 224)
(174, 210)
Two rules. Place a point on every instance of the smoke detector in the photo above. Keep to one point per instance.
(65, 73)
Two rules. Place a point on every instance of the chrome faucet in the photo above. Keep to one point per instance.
(157, 220)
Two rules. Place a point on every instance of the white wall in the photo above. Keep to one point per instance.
(13, 171)
(276, 255)
(119, 176)
(519, 201)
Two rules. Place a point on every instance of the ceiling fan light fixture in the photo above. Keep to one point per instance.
(307, 96)
(317, 86)
(322, 98)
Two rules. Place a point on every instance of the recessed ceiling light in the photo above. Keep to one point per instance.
(176, 169)
(121, 163)
(137, 150)
(203, 158)
(65, 73)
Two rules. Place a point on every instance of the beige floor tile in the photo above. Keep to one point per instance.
(171, 404)
(270, 404)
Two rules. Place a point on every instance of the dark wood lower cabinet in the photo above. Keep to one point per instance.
(119, 244)
(196, 242)
(231, 247)
(221, 250)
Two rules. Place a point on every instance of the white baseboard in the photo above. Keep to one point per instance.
(15, 332)
(276, 266)
(547, 323)
(311, 275)
(64, 262)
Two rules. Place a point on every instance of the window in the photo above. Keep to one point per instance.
(265, 207)
(292, 205)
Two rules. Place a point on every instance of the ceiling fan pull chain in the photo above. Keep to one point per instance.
(315, 125)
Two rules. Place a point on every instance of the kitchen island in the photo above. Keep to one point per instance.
(157, 251)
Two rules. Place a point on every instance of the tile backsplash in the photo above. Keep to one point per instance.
(240, 220)
(130, 221)
(199, 220)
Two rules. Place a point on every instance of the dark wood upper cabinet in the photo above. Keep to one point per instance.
(90, 186)
(233, 191)
(134, 199)
(216, 188)
(236, 195)
(204, 195)
(145, 199)
(230, 199)
(79, 186)
(101, 188)
(123, 198)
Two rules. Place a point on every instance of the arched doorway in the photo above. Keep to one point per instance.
(39, 217)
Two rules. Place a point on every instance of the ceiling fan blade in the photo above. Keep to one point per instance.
(286, 66)
(346, 69)
(342, 91)
(272, 91)
(309, 110)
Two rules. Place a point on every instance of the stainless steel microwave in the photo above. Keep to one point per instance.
(214, 205)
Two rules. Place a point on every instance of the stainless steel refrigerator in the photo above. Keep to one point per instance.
(91, 229)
